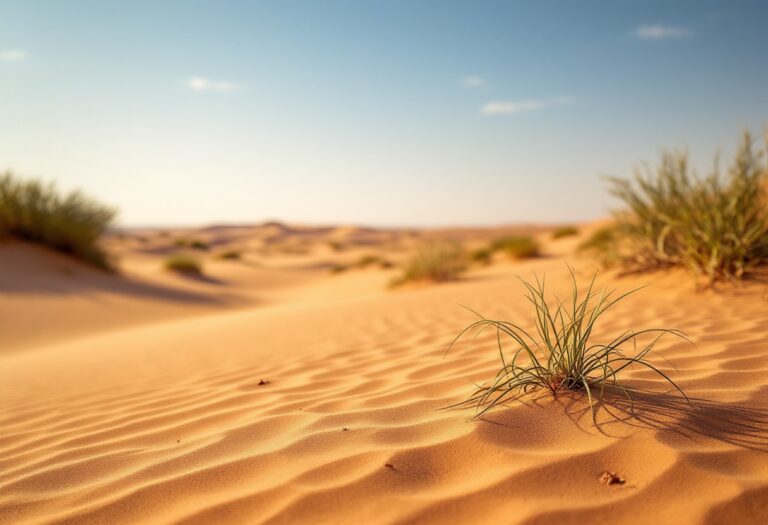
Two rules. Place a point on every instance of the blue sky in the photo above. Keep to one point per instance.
(377, 112)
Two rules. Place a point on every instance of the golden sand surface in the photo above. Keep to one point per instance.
(272, 391)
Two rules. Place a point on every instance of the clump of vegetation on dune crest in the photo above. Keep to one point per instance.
(436, 262)
(230, 255)
(184, 265)
(564, 231)
(517, 247)
(715, 226)
(560, 355)
(39, 213)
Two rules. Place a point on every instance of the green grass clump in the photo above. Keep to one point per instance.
(230, 255)
(482, 255)
(183, 265)
(71, 223)
(716, 226)
(436, 262)
(560, 356)
(564, 231)
(517, 247)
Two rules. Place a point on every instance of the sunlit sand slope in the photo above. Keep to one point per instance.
(327, 411)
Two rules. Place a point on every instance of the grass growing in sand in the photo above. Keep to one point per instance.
(71, 223)
(716, 226)
(517, 247)
(436, 262)
(195, 244)
(184, 265)
(230, 255)
(564, 231)
(482, 256)
(560, 356)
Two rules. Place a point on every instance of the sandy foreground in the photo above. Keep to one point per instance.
(274, 391)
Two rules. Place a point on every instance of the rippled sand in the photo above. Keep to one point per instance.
(316, 400)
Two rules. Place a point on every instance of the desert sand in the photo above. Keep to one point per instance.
(272, 391)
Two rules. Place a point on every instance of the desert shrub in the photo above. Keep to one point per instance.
(517, 247)
(183, 265)
(560, 356)
(195, 244)
(716, 226)
(437, 262)
(39, 213)
(564, 231)
(230, 255)
(482, 255)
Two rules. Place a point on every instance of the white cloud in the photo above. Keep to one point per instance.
(510, 108)
(474, 82)
(206, 84)
(661, 32)
(13, 55)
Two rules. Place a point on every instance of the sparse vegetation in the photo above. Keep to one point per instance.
(183, 265)
(437, 262)
(715, 226)
(230, 255)
(517, 247)
(39, 213)
(482, 255)
(564, 231)
(194, 244)
(560, 356)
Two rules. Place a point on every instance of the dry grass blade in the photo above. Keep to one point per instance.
(560, 356)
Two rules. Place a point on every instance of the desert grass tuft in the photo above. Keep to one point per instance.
(482, 256)
(230, 255)
(716, 226)
(564, 231)
(517, 247)
(184, 265)
(560, 356)
(39, 213)
(436, 262)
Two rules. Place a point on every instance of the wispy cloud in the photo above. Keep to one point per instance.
(661, 32)
(474, 82)
(512, 107)
(206, 84)
(13, 55)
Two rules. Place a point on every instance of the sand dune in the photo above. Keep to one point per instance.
(280, 394)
